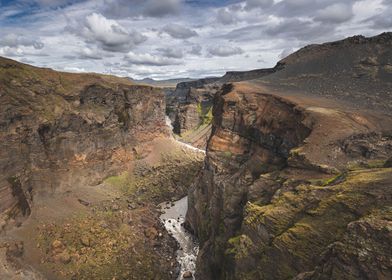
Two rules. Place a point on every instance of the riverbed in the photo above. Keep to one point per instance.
(173, 217)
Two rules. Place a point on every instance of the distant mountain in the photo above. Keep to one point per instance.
(161, 83)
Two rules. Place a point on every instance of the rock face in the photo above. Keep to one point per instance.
(59, 130)
(189, 105)
(297, 185)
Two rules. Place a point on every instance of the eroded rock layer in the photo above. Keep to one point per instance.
(296, 184)
(60, 130)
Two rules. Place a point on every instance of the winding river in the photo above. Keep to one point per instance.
(173, 218)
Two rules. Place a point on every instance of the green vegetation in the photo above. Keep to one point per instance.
(205, 115)
(366, 165)
(335, 180)
(239, 246)
(297, 225)
(101, 245)
(161, 182)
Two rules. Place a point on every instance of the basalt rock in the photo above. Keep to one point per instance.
(296, 181)
(61, 130)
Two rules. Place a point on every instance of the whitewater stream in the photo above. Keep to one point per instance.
(186, 145)
(173, 218)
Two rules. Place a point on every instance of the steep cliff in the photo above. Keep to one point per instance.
(296, 180)
(85, 160)
(60, 130)
(189, 105)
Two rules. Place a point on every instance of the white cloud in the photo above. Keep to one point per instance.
(14, 41)
(109, 34)
(149, 59)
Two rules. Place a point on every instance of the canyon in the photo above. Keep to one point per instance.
(295, 181)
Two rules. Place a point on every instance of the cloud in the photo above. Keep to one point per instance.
(159, 8)
(171, 52)
(150, 60)
(15, 41)
(224, 51)
(52, 3)
(196, 50)
(286, 52)
(108, 34)
(335, 13)
(225, 17)
(311, 8)
(179, 32)
(87, 53)
(293, 28)
(11, 52)
(253, 4)
(383, 20)
(146, 8)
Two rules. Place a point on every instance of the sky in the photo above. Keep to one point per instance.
(164, 39)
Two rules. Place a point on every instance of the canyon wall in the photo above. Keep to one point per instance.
(296, 181)
(61, 130)
(189, 105)
(269, 203)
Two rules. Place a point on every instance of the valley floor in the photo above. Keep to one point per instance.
(109, 231)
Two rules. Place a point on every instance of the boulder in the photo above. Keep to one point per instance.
(187, 275)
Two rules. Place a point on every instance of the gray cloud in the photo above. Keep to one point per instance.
(179, 32)
(159, 8)
(107, 33)
(147, 8)
(248, 33)
(51, 3)
(298, 29)
(253, 4)
(196, 50)
(224, 16)
(335, 13)
(224, 51)
(171, 52)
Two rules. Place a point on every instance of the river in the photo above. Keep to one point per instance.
(173, 217)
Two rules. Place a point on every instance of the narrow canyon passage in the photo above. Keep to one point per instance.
(173, 218)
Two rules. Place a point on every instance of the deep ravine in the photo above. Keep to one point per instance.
(173, 218)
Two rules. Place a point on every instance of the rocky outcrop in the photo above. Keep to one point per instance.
(261, 198)
(347, 70)
(362, 253)
(61, 130)
(296, 184)
(189, 104)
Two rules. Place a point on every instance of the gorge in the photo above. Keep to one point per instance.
(288, 175)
